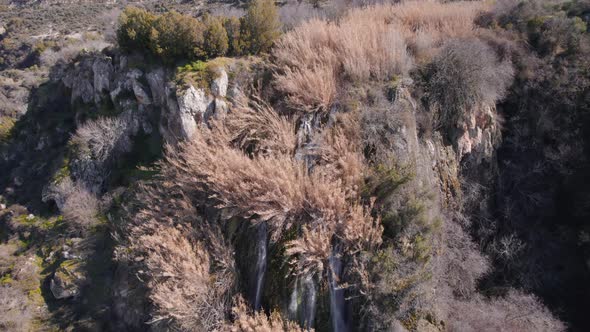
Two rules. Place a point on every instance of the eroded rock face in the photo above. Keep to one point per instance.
(142, 99)
(67, 280)
(102, 69)
(141, 95)
(479, 134)
(193, 104)
(129, 306)
(89, 78)
(157, 82)
(220, 84)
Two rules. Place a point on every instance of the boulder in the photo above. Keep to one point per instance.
(102, 69)
(193, 105)
(221, 108)
(140, 94)
(67, 280)
(157, 83)
(220, 83)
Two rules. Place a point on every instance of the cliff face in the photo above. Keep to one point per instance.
(148, 105)
(61, 143)
(366, 175)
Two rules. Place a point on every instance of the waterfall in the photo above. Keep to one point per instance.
(309, 302)
(260, 271)
(302, 303)
(308, 124)
(294, 302)
(337, 300)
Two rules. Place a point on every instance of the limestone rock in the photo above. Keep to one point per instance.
(67, 280)
(157, 84)
(478, 134)
(221, 108)
(193, 105)
(140, 94)
(102, 69)
(220, 83)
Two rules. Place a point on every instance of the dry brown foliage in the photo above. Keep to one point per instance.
(187, 266)
(100, 138)
(179, 271)
(378, 42)
(246, 321)
(272, 186)
(257, 128)
(514, 312)
(80, 208)
(274, 189)
(466, 74)
(339, 153)
(311, 251)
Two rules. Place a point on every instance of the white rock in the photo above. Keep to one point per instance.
(192, 105)
(219, 84)
(221, 108)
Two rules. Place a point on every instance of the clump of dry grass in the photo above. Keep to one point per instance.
(374, 43)
(310, 89)
(272, 186)
(81, 208)
(245, 321)
(311, 251)
(100, 138)
(255, 127)
(187, 266)
(179, 271)
(274, 189)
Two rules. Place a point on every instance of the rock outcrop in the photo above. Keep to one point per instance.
(67, 280)
(143, 99)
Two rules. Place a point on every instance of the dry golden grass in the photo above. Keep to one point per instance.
(374, 43)
(180, 272)
(246, 321)
(310, 251)
(188, 269)
(276, 188)
(253, 125)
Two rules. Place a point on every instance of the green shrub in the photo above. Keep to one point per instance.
(175, 36)
(260, 27)
(216, 40)
(135, 26)
(232, 27)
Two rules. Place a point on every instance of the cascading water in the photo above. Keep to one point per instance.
(303, 301)
(294, 302)
(308, 124)
(260, 271)
(337, 300)
(302, 304)
(309, 302)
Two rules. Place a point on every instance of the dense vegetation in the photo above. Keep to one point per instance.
(175, 37)
(405, 166)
